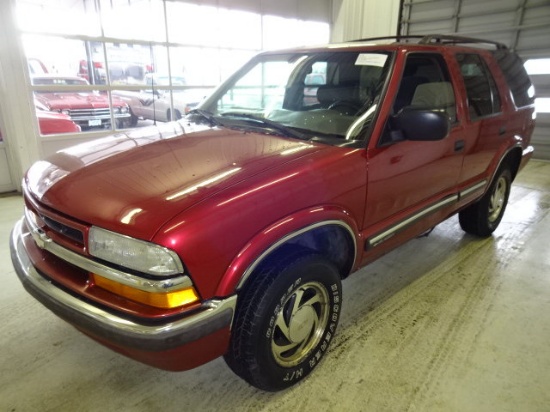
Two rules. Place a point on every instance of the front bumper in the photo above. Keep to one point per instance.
(120, 333)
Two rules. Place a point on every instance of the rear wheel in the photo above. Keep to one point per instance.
(285, 320)
(133, 119)
(484, 216)
(175, 116)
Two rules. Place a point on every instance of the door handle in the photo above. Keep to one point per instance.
(459, 145)
(502, 130)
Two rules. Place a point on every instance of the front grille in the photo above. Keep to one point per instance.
(90, 113)
(63, 230)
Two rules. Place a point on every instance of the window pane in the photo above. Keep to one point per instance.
(262, 87)
(199, 66)
(280, 32)
(58, 16)
(192, 24)
(54, 55)
(130, 63)
(313, 32)
(231, 60)
(426, 84)
(483, 97)
(240, 29)
(133, 19)
(516, 77)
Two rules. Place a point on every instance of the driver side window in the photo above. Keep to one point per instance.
(425, 85)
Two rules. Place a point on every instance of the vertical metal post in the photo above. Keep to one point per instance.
(458, 8)
(518, 23)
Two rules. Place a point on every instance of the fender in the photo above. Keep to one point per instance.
(280, 232)
(524, 156)
(480, 187)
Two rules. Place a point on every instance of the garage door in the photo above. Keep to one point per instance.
(523, 25)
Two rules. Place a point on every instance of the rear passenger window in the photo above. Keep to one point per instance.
(483, 97)
(516, 77)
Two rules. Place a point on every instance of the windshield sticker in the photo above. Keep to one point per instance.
(371, 59)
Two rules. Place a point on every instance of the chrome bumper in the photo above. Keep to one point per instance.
(215, 315)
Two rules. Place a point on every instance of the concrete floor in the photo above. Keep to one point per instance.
(445, 323)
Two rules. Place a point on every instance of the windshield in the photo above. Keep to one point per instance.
(332, 95)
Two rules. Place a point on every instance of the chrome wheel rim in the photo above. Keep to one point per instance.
(300, 324)
(496, 202)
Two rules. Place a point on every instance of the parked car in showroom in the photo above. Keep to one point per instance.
(157, 104)
(88, 109)
(55, 123)
(229, 233)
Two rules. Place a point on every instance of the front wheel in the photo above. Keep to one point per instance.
(484, 216)
(285, 320)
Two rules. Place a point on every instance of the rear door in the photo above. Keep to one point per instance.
(485, 128)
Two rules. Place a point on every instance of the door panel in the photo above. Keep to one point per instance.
(409, 179)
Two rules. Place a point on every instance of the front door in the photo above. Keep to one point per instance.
(409, 181)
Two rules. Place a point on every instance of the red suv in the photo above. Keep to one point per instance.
(230, 232)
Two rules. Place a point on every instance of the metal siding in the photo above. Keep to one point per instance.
(523, 25)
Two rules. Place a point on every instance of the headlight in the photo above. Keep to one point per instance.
(66, 111)
(132, 253)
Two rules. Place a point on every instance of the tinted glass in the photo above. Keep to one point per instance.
(516, 77)
(483, 97)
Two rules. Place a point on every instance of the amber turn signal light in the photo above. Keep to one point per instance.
(164, 300)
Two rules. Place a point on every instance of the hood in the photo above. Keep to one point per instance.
(134, 183)
(71, 101)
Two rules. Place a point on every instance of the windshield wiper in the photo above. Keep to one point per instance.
(286, 131)
(206, 115)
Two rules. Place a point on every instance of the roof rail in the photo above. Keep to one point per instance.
(438, 39)
(389, 38)
(452, 39)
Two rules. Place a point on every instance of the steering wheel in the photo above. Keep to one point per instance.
(347, 107)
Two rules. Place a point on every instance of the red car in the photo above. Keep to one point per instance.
(54, 123)
(87, 109)
(230, 232)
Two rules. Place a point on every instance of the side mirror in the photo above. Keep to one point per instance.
(422, 125)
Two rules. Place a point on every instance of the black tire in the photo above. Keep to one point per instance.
(484, 216)
(170, 117)
(133, 120)
(285, 320)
